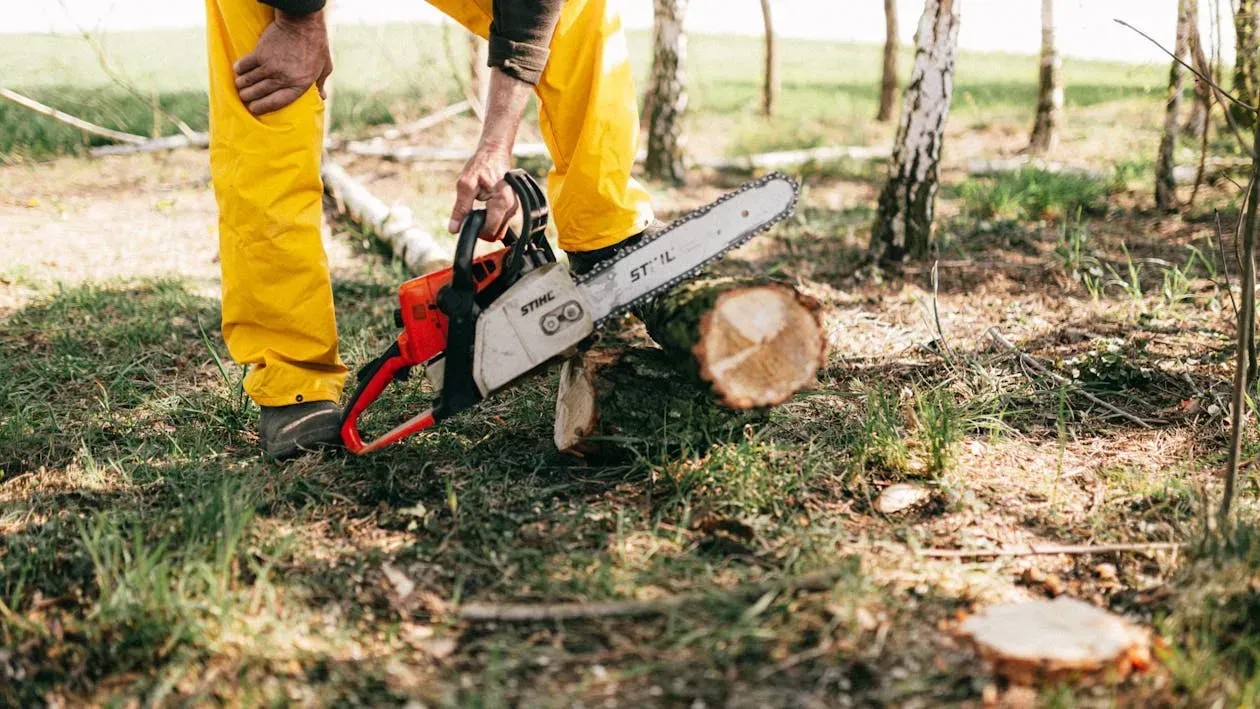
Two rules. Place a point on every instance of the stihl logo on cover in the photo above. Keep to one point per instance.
(534, 304)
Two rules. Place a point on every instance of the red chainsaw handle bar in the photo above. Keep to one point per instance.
(382, 373)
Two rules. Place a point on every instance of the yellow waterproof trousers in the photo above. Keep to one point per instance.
(277, 299)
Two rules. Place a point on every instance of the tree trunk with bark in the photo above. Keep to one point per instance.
(667, 93)
(1045, 135)
(903, 224)
(1197, 120)
(888, 87)
(1247, 59)
(752, 342)
(770, 89)
(1165, 181)
(479, 68)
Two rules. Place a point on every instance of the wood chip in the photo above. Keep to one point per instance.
(901, 497)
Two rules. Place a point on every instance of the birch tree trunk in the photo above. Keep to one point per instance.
(1045, 135)
(888, 87)
(770, 90)
(667, 93)
(903, 224)
(1246, 56)
(1165, 182)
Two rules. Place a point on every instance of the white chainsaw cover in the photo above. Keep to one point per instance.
(539, 317)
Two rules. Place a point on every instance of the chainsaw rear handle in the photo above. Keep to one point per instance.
(394, 364)
(372, 381)
(458, 302)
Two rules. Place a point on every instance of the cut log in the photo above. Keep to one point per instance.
(412, 153)
(173, 142)
(755, 343)
(394, 225)
(796, 158)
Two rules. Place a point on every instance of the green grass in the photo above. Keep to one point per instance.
(398, 72)
(148, 555)
(1033, 194)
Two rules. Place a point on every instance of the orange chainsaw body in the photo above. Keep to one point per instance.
(424, 324)
(438, 314)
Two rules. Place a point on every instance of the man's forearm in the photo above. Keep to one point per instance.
(504, 110)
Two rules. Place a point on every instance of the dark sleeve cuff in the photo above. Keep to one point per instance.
(521, 61)
(296, 7)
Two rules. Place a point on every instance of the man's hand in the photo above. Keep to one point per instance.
(482, 181)
(291, 56)
(482, 178)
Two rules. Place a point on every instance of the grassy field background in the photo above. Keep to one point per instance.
(399, 72)
(150, 557)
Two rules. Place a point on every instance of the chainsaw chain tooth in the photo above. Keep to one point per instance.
(742, 239)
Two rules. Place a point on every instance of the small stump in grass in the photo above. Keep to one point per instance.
(1056, 641)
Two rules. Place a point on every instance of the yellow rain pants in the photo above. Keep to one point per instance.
(277, 298)
(589, 118)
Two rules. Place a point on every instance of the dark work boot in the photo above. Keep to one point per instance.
(581, 262)
(289, 431)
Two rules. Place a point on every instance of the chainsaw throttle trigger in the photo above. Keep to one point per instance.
(373, 379)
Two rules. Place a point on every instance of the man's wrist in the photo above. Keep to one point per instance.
(306, 21)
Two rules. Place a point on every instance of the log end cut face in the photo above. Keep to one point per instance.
(759, 346)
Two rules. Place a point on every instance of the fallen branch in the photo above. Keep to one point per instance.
(378, 149)
(30, 103)
(997, 337)
(173, 142)
(1001, 166)
(393, 225)
(528, 613)
(1049, 550)
(433, 119)
(796, 158)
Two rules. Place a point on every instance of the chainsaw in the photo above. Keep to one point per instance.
(486, 322)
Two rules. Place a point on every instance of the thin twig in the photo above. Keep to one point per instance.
(1216, 88)
(1207, 80)
(85, 126)
(429, 121)
(1048, 550)
(1220, 246)
(997, 337)
(1246, 343)
(529, 613)
(936, 312)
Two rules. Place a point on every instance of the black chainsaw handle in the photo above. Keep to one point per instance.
(462, 277)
